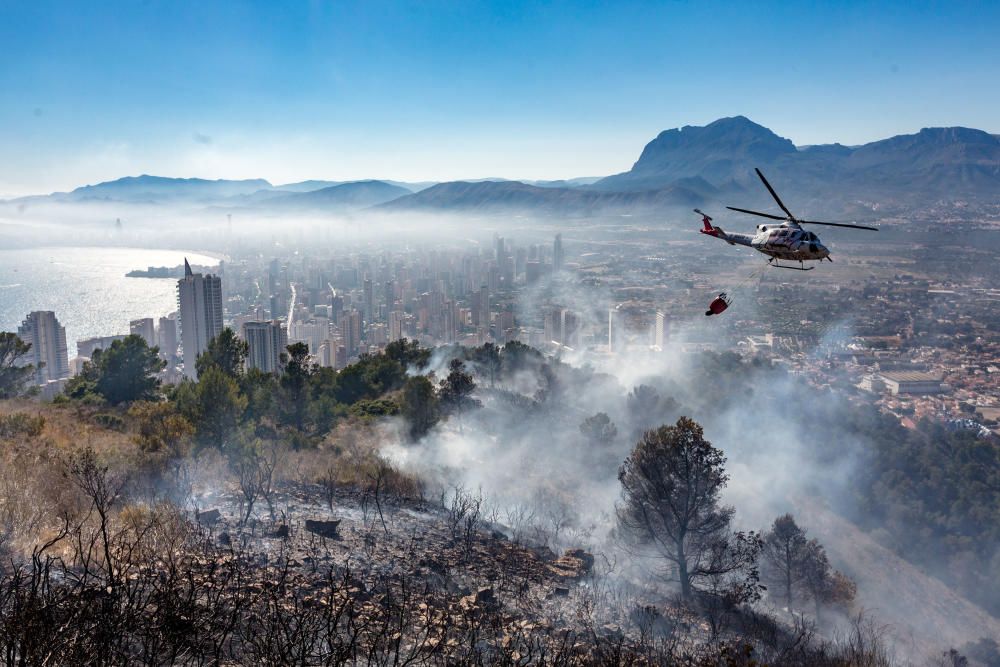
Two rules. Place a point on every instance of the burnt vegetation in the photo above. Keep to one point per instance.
(255, 518)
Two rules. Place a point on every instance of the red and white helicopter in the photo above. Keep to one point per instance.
(784, 240)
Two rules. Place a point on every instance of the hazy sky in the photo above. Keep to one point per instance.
(436, 91)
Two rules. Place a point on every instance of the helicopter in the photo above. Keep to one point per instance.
(786, 240)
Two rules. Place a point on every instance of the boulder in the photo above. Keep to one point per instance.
(573, 564)
(323, 528)
(208, 517)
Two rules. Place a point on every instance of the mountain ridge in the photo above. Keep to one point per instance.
(516, 196)
(355, 194)
(680, 166)
(933, 163)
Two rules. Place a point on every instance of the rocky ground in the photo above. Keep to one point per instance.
(438, 575)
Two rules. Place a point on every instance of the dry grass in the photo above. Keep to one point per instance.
(35, 489)
(70, 428)
(348, 457)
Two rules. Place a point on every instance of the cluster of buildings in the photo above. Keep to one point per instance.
(916, 347)
(912, 347)
(344, 306)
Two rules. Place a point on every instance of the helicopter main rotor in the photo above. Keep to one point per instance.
(789, 217)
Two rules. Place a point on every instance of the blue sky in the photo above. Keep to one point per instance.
(447, 90)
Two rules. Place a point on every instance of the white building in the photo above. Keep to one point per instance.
(48, 346)
(614, 330)
(199, 300)
(167, 337)
(397, 324)
(660, 330)
(266, 341)
(87, 346)
(912, 382)
(145, 329)
(312, 332)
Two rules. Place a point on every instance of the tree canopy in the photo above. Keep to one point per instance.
(124, 372)
(226, 352)
(420, 405)
(670, 500)
(456, 389)
(214, 405)
(14, 372)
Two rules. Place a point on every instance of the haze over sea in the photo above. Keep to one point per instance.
(87, 287)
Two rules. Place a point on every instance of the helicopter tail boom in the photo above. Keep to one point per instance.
(719, 233)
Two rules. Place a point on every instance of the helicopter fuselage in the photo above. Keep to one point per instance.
(786, 241)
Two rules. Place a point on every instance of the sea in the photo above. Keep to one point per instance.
(87, 288)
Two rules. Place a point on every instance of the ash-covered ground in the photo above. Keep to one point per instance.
(434, 580)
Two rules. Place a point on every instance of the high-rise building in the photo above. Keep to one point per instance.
(553, 326)
(145, 329)
(484, 308)
(377, 335)
(336, 307)
(505, 326)
(569, 326)
(532, 271)
(312, 332)
(389, 294)
(266, 341)
(397, 318)
(557, 254)
(350, 331)
(48, 345)
(167, 337)
(86, 346)
(272, 276)
(325, 355)
(520, 259)
(277, 306)
(660, 330)
(369, 300)
(451, 320)
(199, 300)
(614, 332)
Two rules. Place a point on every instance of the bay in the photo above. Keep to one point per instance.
(87, 288)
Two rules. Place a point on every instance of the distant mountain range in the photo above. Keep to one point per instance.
(688, 166)
(356, 195)
(517, 197)
(145, 188)
(935, 163)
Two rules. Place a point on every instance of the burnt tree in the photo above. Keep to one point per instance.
(670, 500)
(785, 548)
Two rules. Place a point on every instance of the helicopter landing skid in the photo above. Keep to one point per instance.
(774, 263)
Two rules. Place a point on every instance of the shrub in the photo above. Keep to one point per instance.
(21, 424)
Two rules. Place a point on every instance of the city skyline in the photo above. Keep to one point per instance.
(401, 92)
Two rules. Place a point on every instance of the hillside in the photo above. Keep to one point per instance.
(145, 189)
(719, 153)
(922, 611)
(360, 194)
(514, 196)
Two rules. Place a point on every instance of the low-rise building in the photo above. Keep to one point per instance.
(912, 382)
